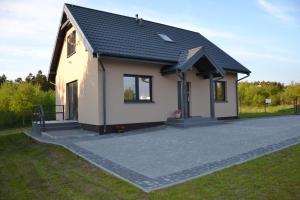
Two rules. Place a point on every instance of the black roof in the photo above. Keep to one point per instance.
(121, 36)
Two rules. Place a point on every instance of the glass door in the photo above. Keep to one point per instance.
(72, 100)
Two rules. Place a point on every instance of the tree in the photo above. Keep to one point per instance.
(17, 99)
(291, 92)
(25, 96)
(19, 80)
(30, 78)
(39, 79)
(254, 94)
(129, 94)
(2, 79)
(6, 92)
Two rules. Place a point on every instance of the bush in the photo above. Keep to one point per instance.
(255, 93)
(17, 100)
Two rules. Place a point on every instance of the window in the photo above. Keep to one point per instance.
(220, 91)
(71, 42)
(165, 37)
(137, 88)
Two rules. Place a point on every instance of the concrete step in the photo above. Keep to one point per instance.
(57, 128)
(59, 125)
(193, 121)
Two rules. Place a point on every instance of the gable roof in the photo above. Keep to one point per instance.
(115, 35)
(190, 57)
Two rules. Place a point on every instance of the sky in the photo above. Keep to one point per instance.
(263, 35)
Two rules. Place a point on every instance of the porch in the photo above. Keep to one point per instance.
(46, 121)
(206, 68)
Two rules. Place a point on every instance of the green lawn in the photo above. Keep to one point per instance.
(31, 170)
(252, 111)
(13, 130)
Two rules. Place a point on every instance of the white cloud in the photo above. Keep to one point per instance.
(278, 11)
(28, 30)
(212, 33)
(29, 18)
(270, 57)
(25, 51)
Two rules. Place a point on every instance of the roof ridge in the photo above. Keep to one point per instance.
(132, 18)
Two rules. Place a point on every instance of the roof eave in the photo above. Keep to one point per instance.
(137, 58)
(247, 72)
(77, 27)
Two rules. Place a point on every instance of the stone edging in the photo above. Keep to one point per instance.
(148, 184)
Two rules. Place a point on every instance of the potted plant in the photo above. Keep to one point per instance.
(177, 113)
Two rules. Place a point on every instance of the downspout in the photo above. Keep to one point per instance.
(100, 64)
(237, 94)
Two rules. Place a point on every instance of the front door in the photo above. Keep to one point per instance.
(188, 93)
(72, 100)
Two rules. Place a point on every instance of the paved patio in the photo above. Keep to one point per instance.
(167, 156)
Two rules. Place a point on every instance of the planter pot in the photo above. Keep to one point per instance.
(177, 115)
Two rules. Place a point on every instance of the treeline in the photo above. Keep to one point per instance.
(255, 93)
(18, 97)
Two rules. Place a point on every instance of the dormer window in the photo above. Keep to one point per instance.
(71, 44)
(165, 37)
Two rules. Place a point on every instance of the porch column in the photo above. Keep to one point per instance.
(183, 97)
(212, 98)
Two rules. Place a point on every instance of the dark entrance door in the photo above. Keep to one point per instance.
(72, 100)
(188, 92)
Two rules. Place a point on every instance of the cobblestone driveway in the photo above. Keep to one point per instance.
(168, 156)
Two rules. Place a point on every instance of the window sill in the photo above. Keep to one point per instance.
(138, 102)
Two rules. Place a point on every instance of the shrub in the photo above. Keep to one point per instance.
(17, 99)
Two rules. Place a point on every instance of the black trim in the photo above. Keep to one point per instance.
(224, 89)
(137, 100)
(228, 118)
(120, 127)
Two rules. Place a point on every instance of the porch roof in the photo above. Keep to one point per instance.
(188, 58)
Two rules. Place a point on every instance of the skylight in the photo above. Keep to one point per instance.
(165, 37)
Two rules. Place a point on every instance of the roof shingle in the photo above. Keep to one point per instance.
(112, 34)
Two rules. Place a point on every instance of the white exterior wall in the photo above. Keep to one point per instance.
(229, 107)
(83, 67)
(164, 91)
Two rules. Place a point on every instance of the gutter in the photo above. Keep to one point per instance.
(101, 65)
(221, 77)
(237, 94)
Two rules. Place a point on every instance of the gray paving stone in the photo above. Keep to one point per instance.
(166, 156)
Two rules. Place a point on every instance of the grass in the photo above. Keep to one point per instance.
(252, 111)
(32, 170)
(10, 131)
